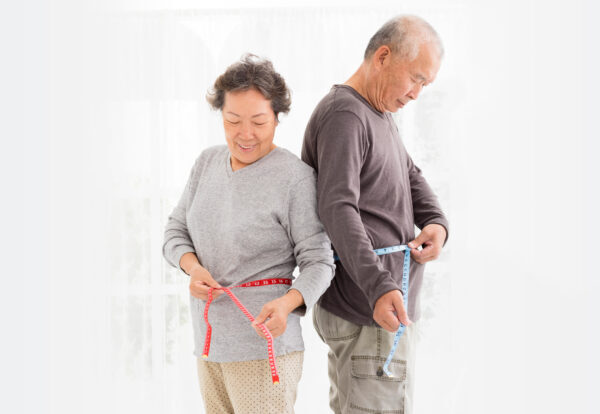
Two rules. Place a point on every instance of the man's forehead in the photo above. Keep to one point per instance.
(425, 67)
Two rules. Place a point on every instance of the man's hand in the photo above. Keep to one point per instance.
(275, 313)
(200, 281)
(389, 311)
(432, 239)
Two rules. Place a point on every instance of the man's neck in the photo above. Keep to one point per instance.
(359, 84)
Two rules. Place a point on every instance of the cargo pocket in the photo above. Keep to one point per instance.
(372, 391)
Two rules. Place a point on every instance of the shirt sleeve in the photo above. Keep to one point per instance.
(177, 240)
(312, 247)
(342, 145)
(426, 208)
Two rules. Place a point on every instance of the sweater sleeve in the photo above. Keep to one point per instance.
(177, 240)
(312, 247)
(426, 208)
(342, 145)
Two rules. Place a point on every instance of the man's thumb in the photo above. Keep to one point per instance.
(417, 242)
(402, 313)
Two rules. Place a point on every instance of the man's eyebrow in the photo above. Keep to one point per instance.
(420, 77)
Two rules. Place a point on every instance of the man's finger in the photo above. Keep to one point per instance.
(419, 240)
(429, 252)
(401, 313)
(390, 322)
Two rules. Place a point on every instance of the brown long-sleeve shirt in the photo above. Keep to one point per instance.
(370, 195)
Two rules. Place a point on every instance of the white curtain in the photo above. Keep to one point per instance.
(164, 62)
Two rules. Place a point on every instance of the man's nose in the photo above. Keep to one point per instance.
(415, 91)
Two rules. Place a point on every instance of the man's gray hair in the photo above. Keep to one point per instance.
(404, 34)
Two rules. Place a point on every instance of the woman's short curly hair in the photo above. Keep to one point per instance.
(252, 72)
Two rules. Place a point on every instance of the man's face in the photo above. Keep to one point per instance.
(401, 81)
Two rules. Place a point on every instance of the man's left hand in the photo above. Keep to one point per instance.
(432, 239)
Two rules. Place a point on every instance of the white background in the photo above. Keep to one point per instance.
(514, 329)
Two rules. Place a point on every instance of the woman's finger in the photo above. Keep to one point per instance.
(260, 332)
(200, 291)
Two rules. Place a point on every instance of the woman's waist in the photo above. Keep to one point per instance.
(236, 272)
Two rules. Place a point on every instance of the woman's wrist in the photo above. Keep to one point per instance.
(189, 263)
(292, 299)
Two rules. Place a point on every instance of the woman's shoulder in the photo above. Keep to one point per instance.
(295, 168)
(210, 155)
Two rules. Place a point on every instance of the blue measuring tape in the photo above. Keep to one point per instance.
(404, 287)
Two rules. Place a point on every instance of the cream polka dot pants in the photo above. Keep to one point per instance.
(246, 387)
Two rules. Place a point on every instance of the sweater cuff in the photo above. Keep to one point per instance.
(178, 252)
(382, 288)
(442, 222)
(309, 301)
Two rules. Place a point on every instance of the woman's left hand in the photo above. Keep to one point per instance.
(275, 313)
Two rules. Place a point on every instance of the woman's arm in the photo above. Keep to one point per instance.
(177, 241)
(313, 253)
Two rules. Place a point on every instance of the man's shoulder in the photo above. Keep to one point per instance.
(343, 101)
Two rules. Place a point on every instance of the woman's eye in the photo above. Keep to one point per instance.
(259, 123)
(233, 122)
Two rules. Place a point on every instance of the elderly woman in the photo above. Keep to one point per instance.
(248, 213)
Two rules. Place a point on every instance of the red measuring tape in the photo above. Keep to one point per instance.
(263, 328)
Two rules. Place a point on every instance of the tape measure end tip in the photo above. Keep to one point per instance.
(205, 356)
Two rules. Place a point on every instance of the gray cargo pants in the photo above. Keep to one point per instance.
(356, 357)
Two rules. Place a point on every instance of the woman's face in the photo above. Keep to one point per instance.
(249, 123)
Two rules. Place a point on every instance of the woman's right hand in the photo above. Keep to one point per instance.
(200, 281)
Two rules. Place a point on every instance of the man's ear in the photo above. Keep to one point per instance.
(380, 57)
(382, 54)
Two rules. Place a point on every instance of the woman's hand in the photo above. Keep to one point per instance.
(200, 281)
(275, 313)
(200, 278)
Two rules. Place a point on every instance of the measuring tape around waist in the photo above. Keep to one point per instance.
(404, 287)
(263, 328)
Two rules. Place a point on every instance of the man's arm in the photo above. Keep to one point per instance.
(428, 216)
(342, 145)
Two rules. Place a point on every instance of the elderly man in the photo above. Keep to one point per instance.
(370, 196)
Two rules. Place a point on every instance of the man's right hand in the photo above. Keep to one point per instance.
(200, 281)
(389, 311)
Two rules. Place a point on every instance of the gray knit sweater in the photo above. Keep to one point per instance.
(255, 223)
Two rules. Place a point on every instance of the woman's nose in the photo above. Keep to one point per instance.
(246, 131)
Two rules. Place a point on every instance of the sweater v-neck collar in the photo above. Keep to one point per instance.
(251, 167)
